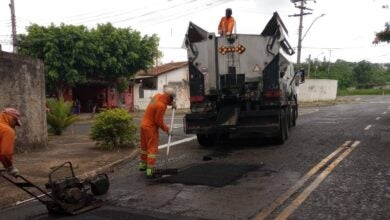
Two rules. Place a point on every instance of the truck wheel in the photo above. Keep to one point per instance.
(290, 116)
(206, 140)
(295, 112)
(283, 130)
(294, 115)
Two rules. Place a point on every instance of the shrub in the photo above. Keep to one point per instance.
(114, 128)
(59, 116)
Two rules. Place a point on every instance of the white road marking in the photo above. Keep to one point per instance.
(29, 200)
(285, 196)
(367, 128)
(321, 177)
(384, 113)
(177, 142)
(377, 118)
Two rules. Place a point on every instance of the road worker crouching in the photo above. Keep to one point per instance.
(9, 118)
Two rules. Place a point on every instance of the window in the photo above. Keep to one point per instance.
(149, 83)
(141, 92)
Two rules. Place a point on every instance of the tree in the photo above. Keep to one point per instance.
(73, 53)
(368, 75)
(66, 51)
(121, 52)
(383, 36)
(342, 71)
(59, 116)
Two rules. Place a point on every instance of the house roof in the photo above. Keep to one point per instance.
(156, 71)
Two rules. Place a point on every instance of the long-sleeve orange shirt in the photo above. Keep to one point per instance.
(226, 25)
(154, 113)
(7, 139)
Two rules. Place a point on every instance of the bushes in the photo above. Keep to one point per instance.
(59, 117)
(114, 128)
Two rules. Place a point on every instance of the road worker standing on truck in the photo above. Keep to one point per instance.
(153, 119)
(9, 118)
(227, 24)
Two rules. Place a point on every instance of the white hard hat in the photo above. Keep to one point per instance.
(171, 91)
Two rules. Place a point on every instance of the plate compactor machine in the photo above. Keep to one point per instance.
(68, 195)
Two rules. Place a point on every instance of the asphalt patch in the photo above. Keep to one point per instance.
(211, 174)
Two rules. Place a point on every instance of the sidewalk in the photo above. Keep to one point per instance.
(87, 159)
(74, 146)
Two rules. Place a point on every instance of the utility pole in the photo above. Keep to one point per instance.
(308, 68)
(300, 15)
(330, 54)
(13, 21)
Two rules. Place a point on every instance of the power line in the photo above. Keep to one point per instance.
(343, 48)
(193, 11)
(154, 12)
(383, 55)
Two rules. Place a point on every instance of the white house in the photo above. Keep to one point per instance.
(155, 79)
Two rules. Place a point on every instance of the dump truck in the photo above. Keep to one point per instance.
(241, 83)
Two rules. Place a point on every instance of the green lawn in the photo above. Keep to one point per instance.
(363, 92)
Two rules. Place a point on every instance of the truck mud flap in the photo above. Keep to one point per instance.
(228, 115)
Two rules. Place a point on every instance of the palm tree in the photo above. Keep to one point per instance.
(59, 116)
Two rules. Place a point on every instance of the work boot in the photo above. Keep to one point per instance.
(150, 174)
(142, 166)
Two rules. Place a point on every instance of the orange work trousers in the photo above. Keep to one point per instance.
(7, 139)
(149, 146)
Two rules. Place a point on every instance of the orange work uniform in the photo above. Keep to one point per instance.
(226, 25)
(153, 120)
(7, 139)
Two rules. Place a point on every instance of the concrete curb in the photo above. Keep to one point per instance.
(109, 168)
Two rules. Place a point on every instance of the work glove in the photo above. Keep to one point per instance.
(174, 106)
(13, 171)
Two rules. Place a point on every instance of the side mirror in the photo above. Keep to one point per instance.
(302, 76)
(296, 79)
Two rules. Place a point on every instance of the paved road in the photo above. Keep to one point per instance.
(335, 165)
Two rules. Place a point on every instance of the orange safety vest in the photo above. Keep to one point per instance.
(7, 139)
(154, 113)
(226, 25)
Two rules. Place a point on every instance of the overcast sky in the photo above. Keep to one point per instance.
(346, 31)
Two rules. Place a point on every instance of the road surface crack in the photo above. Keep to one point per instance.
(169, 202)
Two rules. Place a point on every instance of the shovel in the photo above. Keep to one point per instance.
(167, 171)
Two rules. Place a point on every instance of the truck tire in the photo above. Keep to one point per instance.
(282, 134)
(206, 140)
(294, 116)
(290, 115)
(295, 112)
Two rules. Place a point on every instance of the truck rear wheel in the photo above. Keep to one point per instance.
(295, 112)
(206, 140)
(294, 115)
(283, 128)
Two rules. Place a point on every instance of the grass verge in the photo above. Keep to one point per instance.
(347, 92)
